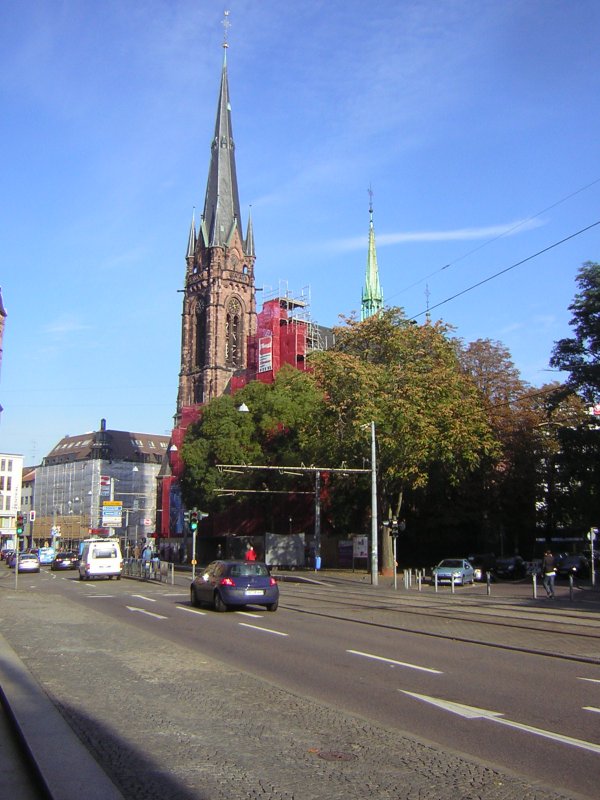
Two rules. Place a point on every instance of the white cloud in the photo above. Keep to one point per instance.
(460, 234)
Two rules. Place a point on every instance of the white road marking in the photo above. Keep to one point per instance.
(591, 708)
(96, 596)
(591, 680)
(396, 663)
(175, 594)
(471, 712)
(192, 610)
(143, 611)
(250, 614)
(264, 630)
(143, 597)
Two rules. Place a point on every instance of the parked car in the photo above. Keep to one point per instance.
(235, 583)
(5, 552)
(576, 565)
(29, 562)
(457, 569)
(482, 563)
(67, 560)
(510, 567)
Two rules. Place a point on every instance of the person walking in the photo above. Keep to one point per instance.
(250, 553)
(549, 573)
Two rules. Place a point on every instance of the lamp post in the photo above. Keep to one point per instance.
(374, 552)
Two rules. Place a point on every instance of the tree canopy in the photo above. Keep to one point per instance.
(579, 355)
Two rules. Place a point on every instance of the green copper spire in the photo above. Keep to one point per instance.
(372, 296)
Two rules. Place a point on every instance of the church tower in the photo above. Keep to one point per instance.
(372, 296)
(219, 302)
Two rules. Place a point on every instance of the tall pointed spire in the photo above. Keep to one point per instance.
(372, 296)
(221, 205)
(249, 243)
(191, 247)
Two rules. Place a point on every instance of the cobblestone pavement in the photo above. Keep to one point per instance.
(166, 722)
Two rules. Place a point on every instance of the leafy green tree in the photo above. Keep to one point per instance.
(428, 414)
(580, 354)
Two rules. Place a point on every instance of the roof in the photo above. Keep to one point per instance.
(110, 445)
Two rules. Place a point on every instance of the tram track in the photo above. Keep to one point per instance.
(554, 632)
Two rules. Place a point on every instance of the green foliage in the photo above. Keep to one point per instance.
(580, 354)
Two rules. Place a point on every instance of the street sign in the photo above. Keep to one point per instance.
(112, 514)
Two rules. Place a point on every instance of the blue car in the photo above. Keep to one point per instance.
(224, 584)
(457, 570)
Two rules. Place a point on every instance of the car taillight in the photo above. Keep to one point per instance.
(227, 582)
(272, 582)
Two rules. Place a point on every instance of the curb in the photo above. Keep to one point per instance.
(67, 770)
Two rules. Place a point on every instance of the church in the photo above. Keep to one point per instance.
(225, 342)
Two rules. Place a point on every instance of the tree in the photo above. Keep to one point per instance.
(407, 379)
(580, 354)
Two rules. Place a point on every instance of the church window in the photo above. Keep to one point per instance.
(233, 334)
(200, 337)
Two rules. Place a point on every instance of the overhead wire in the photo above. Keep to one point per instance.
(505, 270)
(507, 232)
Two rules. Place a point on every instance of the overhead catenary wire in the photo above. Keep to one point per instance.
(505, 270)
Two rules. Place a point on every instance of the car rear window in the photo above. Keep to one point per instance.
(104, 552)
(247, 570)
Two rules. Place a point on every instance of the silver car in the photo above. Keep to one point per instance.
(457, 570)
(28, 562)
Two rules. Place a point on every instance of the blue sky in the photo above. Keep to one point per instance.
(475, 123)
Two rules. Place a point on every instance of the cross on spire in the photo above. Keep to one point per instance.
(226, 25)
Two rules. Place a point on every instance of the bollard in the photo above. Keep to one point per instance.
(488, 581)
(534, 582)
(571, 588)
(419, 579)
(452, 582)
(435, 580)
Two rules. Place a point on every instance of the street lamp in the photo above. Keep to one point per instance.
(374, 553)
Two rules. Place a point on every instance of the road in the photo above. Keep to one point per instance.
(514, 686)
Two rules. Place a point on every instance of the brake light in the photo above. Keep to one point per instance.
(272, 582)
(227, 582)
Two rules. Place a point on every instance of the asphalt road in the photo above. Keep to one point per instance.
(406, 665)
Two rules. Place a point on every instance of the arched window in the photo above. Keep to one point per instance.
(233, 334)
(200, 337)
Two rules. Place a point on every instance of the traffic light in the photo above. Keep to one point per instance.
(20, 523)
(194, 519)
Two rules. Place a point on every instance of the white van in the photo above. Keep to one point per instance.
(100, 558)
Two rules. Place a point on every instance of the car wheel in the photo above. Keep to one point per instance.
(219, 604)
(273, 606)
(193, 598)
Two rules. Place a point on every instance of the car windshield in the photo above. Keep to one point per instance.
(450, 562)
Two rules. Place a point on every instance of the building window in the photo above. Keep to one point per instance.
(9, 483)
(1, 483)
(3, 465)
(233, 334)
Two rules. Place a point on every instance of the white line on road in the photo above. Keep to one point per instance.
(99, 596)
(471, 712)
(192, 610)
(143, 611)
(250, 614)
(143, 597)
(591, 708)
(591, 680)
(396, 663)
(264, 630)
(176, 594)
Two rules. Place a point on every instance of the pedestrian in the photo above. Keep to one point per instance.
(250, 553)
(549, 573)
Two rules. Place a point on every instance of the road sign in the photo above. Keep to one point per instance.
(112, 514)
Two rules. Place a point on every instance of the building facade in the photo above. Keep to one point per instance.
(11, 477)
(83, 478)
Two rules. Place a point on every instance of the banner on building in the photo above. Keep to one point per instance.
(265, 354)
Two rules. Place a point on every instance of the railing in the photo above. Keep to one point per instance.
(155, 570)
